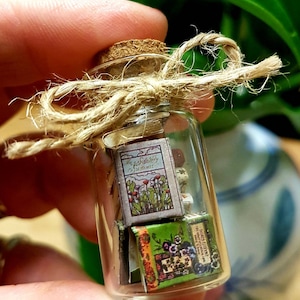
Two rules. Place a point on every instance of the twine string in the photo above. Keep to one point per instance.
(109, 103)
(204, 41)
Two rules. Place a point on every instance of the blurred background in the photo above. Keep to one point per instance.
(260, 28)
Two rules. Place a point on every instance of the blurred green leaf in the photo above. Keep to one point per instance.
(261, 28)
(280, 16)
(267, 104)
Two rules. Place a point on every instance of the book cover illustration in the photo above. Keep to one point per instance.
(177, 252)
(147, 182)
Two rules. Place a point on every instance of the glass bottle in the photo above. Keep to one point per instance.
(158, 224)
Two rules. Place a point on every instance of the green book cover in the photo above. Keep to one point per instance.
(176, 252)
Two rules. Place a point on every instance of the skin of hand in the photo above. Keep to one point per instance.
(39, 39)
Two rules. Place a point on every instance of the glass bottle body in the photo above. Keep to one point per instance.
(158, 223)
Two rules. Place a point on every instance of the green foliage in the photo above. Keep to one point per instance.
(261, 28)
(268, 27)
(281, 15)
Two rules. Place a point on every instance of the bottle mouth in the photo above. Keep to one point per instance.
(131, 57)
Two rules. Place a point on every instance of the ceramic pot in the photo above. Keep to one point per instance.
(258, 190)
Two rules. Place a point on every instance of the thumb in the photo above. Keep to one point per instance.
(26, 262)
(55, 290)
(35, 271)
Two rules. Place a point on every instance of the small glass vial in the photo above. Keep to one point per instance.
(159, 229)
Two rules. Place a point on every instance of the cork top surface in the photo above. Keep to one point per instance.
(132, 48)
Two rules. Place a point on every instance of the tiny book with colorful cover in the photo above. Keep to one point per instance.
(148, 187)
(176, 252)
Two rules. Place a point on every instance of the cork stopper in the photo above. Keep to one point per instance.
(132, 48)
(137, 52)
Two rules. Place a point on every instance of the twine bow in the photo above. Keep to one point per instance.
(109, 103)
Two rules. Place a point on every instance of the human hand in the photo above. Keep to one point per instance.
(58, 37)
(39, 39)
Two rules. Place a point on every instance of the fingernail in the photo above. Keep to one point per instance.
(3, 211)
(7, 245)
(14, 241)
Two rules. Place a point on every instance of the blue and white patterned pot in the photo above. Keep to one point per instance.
(258, 190)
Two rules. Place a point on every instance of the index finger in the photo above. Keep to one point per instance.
(39, 38)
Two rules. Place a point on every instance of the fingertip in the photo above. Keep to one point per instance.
(215, 294)
(202, 106)
(157, 26)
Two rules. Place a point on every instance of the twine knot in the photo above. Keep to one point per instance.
(110, 101)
